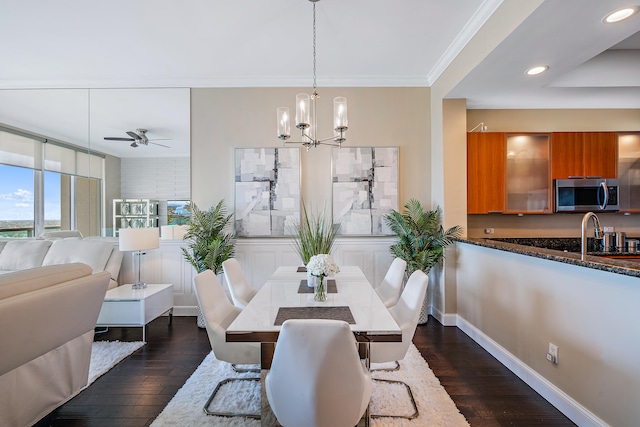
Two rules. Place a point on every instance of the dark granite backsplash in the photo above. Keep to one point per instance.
(569, 244)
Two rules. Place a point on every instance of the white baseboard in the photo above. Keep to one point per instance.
(563, 402)
(445, 319)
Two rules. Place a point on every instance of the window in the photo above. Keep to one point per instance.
(16, 202)
(48, 186)
(52, 208)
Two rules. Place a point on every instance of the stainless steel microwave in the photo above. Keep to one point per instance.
(587, 195)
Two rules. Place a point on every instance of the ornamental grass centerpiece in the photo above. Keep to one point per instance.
(314, 234)
(319, 267)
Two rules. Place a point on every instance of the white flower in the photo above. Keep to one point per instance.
(322, 265)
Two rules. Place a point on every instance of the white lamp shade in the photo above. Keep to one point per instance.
(139, 239)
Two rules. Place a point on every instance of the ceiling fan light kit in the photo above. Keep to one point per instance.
(139, 137)
(306, 119)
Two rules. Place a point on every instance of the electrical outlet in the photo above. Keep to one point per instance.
(608, 229)
(552, 355)
(489, 231)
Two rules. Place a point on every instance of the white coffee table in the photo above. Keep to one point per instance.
(127, 307)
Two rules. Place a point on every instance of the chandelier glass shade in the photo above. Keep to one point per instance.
(306, 119)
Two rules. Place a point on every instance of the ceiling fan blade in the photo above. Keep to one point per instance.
(160, 139)
(161, 145)
(134, 135)
(115, 138)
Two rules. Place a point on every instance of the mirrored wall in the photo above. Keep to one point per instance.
(68, 155)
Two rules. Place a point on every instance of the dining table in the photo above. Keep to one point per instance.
(350, 297)
(286, 296)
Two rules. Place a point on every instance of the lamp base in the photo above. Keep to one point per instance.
(138, 286)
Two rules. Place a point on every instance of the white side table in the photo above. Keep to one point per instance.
(127, 307)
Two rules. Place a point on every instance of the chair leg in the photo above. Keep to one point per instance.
(244, 370)
(413, 402)
(397, 367)
(228, 414)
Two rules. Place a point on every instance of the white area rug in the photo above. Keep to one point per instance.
(434, 404)
(107, 354)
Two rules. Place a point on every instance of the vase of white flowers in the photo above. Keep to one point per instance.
(321, 266)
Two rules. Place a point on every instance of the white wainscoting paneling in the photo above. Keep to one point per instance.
(259, 258)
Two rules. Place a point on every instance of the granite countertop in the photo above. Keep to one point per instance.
(556, 250)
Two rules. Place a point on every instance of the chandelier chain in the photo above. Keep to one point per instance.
(314, 48)
(306, 113)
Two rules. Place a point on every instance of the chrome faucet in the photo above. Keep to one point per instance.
(596, 228)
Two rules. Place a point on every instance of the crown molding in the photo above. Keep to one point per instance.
(476, 22)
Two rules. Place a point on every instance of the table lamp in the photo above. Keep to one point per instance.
(138, 240)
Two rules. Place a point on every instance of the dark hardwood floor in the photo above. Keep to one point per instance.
(484, 390)
(135, 391)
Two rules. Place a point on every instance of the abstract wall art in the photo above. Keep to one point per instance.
(365, 188)
(267, 191)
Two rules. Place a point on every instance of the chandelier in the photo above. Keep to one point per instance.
(306, 112)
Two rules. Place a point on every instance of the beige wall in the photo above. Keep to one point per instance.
(223, 119)
(448, 149)
(554, 120)
(556, 225)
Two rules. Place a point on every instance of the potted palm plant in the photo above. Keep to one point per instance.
(314, 234)
(209, 245)
(421, 239)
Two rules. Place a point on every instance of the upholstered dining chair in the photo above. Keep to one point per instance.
(406, 313)
(391, 286)
(239, 288)
(316, 377)
(218, 313)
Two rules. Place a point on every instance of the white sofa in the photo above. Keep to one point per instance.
(22, 254)
(47, 320)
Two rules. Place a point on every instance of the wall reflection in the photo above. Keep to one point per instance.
(82, 118)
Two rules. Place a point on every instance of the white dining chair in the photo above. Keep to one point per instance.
(316, 377)
(218, 313)
(406, 313)
(391, 286)
(239, 288)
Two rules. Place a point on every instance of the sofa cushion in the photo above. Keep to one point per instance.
(20, 282)
(23, 254)
(94, 253)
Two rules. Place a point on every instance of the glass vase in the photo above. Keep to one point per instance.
(320, 289)
(311, 280)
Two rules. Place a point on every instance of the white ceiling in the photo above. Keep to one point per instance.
(133, 51)
(569, 37)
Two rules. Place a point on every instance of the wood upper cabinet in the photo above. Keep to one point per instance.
(486, 172)
(601, 154)
(584, 154)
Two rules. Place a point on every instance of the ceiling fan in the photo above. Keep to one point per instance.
(138, 137)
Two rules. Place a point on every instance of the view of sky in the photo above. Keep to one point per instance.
(16, 194)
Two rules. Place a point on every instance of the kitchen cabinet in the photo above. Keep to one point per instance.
(584, 154)
(134, 213)
(629, 171)
(486, 172)
(528, 176)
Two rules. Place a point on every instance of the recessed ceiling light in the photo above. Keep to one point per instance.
(537, 70)
(620, 15)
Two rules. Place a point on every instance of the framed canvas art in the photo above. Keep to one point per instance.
(267, 191)
(365, 188)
